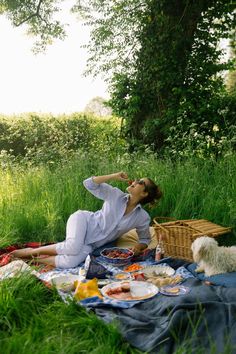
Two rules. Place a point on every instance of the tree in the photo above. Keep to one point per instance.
(39, 18)
(231, 80)
(159, 58)
(98, 107)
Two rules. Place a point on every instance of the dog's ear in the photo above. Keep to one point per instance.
(205, 246)
(204, 251)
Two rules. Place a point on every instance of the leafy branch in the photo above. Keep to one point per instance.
(36, 14)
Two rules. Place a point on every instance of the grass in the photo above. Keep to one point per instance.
(35, 203)
(35, 320)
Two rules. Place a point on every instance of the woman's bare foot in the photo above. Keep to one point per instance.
(22, 253)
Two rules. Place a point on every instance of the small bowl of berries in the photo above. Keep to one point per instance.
(117, 256)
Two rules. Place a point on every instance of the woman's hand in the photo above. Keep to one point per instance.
(121, 176)
(139, 248)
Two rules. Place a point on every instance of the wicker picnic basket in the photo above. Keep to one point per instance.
(178, 235)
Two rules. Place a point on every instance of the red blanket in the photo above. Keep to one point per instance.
(5, 256)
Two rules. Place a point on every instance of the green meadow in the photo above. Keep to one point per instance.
(37, 200)
(41, 185)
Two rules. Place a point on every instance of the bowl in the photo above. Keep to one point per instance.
(154, 270)
(65, 282)
(117, 256)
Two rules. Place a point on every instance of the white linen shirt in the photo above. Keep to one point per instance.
(108, 223)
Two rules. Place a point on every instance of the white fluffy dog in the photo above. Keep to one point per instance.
(211, 258)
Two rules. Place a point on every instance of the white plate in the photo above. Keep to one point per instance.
(144, 289)
(158, 270)
(182, 290)
(65, 282)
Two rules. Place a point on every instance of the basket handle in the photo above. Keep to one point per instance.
(163, 217)
(159, 225)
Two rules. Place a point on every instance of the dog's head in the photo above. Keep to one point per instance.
(203, 247)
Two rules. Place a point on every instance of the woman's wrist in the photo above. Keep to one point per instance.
(113, 176)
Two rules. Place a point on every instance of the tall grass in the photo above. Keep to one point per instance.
(200, 189)
(33, 319)
(35, 202)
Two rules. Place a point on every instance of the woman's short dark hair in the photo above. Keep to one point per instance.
(154, 193)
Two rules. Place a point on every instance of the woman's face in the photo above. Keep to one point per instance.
(138, 188)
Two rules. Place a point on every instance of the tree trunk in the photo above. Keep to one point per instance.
(166, 45)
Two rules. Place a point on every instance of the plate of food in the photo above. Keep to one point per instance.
(157, 269)
(174, 290)
(164, 280)
(121, 276)
(129, 290)
(133, 268)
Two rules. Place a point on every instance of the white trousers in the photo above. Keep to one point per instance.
(73, 250)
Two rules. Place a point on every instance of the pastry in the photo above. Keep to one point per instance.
(174, 290)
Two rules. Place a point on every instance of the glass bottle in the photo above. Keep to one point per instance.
(159, 254)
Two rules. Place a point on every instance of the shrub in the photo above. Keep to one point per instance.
(49, 139)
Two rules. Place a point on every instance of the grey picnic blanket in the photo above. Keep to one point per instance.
(202, 321)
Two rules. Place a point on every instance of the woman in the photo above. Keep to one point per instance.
(86, 231)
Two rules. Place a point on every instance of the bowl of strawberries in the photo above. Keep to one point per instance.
(117, 256)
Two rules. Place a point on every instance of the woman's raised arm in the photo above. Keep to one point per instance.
(118, 176)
